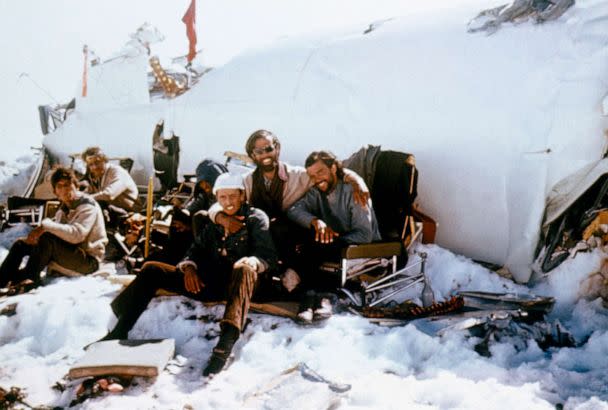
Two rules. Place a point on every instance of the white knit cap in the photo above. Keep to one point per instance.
(228, 181)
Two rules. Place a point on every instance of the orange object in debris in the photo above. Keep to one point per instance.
(594, 226)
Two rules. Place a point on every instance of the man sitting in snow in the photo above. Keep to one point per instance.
(109, 184)
(218, 265)
(329, 209)
(273, 187)
(75, 238)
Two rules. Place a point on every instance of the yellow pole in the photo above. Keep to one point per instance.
(149, 216)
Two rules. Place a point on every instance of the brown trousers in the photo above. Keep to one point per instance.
(237, 287)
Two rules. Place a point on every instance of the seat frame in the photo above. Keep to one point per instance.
(384, 255)
(369, 257)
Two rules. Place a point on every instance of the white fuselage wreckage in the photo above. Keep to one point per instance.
(495, 122)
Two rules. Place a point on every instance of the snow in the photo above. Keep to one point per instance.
(388, 368)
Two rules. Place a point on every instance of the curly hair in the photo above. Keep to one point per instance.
(93, 152)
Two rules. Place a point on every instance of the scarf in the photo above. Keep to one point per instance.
(269, 200)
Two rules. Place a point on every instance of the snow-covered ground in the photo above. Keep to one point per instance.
(388, 368)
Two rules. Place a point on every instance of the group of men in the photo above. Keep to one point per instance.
(278, 220)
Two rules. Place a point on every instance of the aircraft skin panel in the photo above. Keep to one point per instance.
(121, 133)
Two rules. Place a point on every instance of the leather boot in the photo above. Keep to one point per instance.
(222, 350)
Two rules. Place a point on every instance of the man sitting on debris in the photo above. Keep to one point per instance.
(109, 184)
(273, 187)
(216, 266)
(75, 239)
(330, 210)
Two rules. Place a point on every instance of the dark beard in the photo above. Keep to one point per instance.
(331, 184)
(268, 168)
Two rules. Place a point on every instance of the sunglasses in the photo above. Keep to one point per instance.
(266, 150)
(90, 161)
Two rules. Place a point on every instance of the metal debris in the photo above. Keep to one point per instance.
(518, 12)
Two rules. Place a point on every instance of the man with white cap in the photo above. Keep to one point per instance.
(218, 266)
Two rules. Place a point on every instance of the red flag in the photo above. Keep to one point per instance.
(190, 20)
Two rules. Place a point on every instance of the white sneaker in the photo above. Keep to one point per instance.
(324, 311)
(305, 316)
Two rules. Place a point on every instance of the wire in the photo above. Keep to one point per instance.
(24, 74)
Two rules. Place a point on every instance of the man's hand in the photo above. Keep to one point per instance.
(361, 195)
(323, 233)
(231, 224)
(248, 262)
(34, 236)
(192, 282)
(360, 191)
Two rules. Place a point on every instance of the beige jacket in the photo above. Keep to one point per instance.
(116, 188)
(80, 224)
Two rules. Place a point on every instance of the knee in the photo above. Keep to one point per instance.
(148, 275)
(18, 245)
(154, 272)
(243, 273)
(46, 240)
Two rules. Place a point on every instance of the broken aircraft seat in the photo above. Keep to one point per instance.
(29, 210)
(182, 193)
(393, 191)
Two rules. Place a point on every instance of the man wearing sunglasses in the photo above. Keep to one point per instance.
(274, 186)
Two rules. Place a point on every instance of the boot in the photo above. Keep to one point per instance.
(118, 333)
(115, 334)
(222, 350)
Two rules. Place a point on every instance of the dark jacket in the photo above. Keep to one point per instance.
(212, 250)
(201, 201)
(208, 170)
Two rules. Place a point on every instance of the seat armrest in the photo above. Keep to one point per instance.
(372, 250)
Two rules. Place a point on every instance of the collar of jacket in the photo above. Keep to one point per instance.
(243, 210)
(80, 199)
(282, 171)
